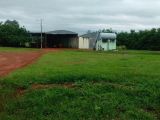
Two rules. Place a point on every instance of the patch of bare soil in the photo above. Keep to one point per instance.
(22, 91)
(44, 86)
(10, 61)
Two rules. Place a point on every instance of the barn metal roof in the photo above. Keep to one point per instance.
(62, 32)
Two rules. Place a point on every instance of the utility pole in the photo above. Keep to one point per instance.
(41, 35)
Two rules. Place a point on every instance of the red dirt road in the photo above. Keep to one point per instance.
(10, 61)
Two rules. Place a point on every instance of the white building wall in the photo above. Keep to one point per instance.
(83, 43)
(112, 45)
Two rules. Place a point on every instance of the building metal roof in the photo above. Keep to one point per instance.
(61, 32)
(90, 35)
(97, 35)
(108, 35)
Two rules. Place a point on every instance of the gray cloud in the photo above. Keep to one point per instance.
(81, 15)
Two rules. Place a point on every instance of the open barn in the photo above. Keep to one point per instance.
(56, 39)
(61, 39)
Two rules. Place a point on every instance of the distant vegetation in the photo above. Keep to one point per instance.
(141, 40)
(12, 34)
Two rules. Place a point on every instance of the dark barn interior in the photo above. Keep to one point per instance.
(56, 39)
(60, 40)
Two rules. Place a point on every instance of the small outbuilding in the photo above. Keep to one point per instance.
(98, 41)
(106, 41)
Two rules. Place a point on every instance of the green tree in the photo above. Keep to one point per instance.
(141, 40)
(11, 34)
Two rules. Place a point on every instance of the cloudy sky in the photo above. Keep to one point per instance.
(82, 15)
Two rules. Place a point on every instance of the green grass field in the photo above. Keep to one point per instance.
(121, 85)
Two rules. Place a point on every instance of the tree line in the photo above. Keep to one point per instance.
(12, 34)
(141, 40)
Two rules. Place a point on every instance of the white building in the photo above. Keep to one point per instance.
(87, 41)
(98, 41)
(106, 41)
